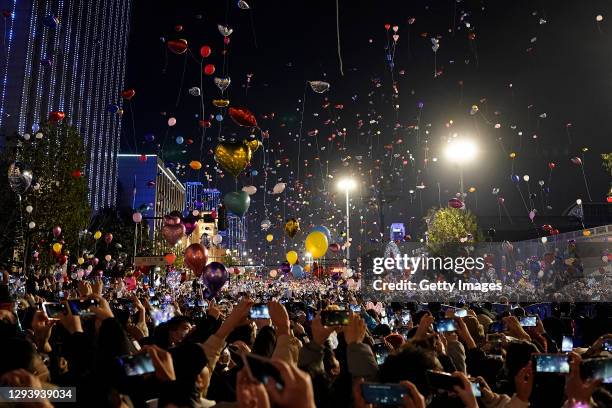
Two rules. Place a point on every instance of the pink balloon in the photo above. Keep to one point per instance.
(171, 121)
(576, 160)
(108, 238)
(172, 233)
(57, 231)
(137, 217)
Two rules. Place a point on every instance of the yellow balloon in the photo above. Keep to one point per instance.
(80, 261)
(472, 189)
(221, 103)
(316, 244)
(586, 233)
(512, 155)
(57, 247)
(292, 227)
(255, 145)
(292, 257)
(97, 235)
(269, 237)
(307, 268)
(233, 157)
(196, 165)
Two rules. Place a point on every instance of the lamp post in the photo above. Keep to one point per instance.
(347, 184)
(460, 152)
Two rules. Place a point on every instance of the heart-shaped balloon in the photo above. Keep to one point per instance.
(237, 202)
(177, 46)
(128, 94)
(233, 157)
(222, 83)
(172, 233)
(254, 145)
(242, 117)
(196, 256)
(215, 276)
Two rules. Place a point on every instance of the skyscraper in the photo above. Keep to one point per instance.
(68, 56)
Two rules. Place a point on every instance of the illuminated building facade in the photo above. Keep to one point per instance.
(68, 56)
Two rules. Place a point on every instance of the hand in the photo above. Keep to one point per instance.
(465, 391)
(464, 334)
(356, 329)
(241, 346)
(523, 382)
(423, 328)
(413, 399)
(514, 328)
(238, 317)
(320, 333)
(137, 303)
(162, 361)
(71, 322)
(485, 388)
(297, 391)
(42, 326)
(103, 310)
(250, 394)
(23, 379)
(84, 289)
(575, 388)
(280, 317)
(213, 310)
(359, 402)
(97, 286)
(298, 329)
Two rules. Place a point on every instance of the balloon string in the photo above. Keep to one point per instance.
(338, 36)
(180, 91)
(586, 184)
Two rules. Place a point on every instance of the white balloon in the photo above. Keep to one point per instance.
(217, 239)
(250, 190)
(279, 188)
(29, 209)
(319, 86)
(224, 30)
(32, 225)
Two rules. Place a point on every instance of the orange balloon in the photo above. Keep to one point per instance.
(170, 258)
(177, 46)
(196, 165)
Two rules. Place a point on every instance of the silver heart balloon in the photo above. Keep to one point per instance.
(223, 83)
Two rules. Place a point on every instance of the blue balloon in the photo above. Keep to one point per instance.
(219, 117)
(324, 230)
(50, 21)
(515, 178)
(297, 271)
(179, 140)
(112, 108)
(254, 172)
(149, 137)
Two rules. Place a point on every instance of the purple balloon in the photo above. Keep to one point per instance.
(285, 268)
(215, 275)
(189, 227)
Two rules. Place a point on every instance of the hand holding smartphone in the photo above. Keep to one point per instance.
(335, 317)
(390, 394)
(259, 311)
(261, 369)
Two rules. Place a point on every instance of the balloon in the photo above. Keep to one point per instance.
(19, 179)
(173, 232)
(297, 271)
(205, 51)
(319, 86)
(576, 160)
(196, 256)
(532, 214)
(137, 217)
(279, 188)
(233, 157)
(171, 121)
(215, 276)
(51, 21)
(97, 235)
(285, 268)
(149, 137)
(57, 231)
(255, 145)
(266, 224)
(128, 94)
(218, 117)
(515, 178)
(250, 190)
(292, 226)
(29, 209)
(31, 225)
(179, 140)
(273, 273)
(108, 238)
(243, 5)
(551, 165)
(237, 202)
(222, 83)
(209, 69)
(455, 203)
(324, 230)
(224, 30)
(108, 258)
(57, 247)
(170, 258)
(335, 248)
(194, 91)
(217, 239)
(220, 103)
(292, 257)
(316, 244)
(242, 117)
(56, 116)
(195, 165)
(177, 46)
(269, 237)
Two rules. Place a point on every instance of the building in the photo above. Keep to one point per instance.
(146, 185)
(201, 198)
(68, 56)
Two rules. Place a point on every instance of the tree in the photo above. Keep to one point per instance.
(58, 194)
(450, 226)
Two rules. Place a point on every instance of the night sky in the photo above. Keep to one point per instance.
(541, 68)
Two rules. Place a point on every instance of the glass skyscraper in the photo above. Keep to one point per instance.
(68, 56)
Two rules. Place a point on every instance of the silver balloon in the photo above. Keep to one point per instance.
(243, 5)
(194, 91)
(266, 224)
(224, 30)
(223, 83)
(19, 179)
(319, 86)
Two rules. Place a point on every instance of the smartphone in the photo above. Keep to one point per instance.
(598, 369)
(202, 303)
(551, 363)
(445, 325)
(81, 306)
(567, 344)
(441, 381)
(381, 352)
(355, 308)
(528, 321)
(405, 317)
(461, 312)
(137, 364)
(496, 327)
(390, 394)
(335, 317)
(260, 311)
(53, 310)
(261, 369)
(494, 338)
(476, 389)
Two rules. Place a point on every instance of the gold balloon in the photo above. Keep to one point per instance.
(221, 103)
(233, 157)
(255, 145)
(292, 227)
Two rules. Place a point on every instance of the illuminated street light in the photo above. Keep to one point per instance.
(460, 152)
(347, 184)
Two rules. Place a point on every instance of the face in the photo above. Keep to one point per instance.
(178, 335)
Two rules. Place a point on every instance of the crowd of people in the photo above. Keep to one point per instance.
(288, 344)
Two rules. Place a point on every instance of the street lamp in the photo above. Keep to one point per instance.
(460, 151)
(347, 184)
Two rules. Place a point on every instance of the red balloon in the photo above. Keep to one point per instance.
(576, 160)
(226, 40)
(128, 94)
(170, 258)
(142, 158)
(108, 238)
(609, 199)
(242, 117)
(56, 116)
(178, 28)
(334, 247)
(205, 124)
(205, 51)
(196, 256)
(500, 200)
(177, 46)
(551, 165)
(209, 69)
(455, 203)
(76, 173)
